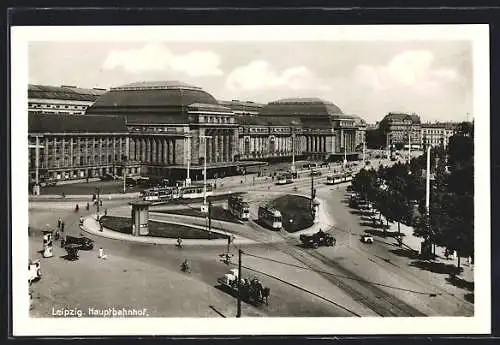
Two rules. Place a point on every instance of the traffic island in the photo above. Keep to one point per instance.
(161, 229)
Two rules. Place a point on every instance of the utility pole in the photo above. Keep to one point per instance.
(188, 180)
(293, 149)
(204, 208)
(345, 150)
(238, 310)
(124, 173)
(209, 220)
(37, 147)
(364, 148)
(98, 200)
(409, 146)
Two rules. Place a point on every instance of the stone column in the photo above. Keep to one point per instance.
(174, 156)
(153, 150)
(164, 152)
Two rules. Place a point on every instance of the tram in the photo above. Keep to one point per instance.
(270, 217)
(238, 207)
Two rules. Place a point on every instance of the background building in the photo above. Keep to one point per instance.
(159, 128)
(61, 100)
(398, 127)
(437, 134)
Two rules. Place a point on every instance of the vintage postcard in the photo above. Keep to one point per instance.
(259, 180)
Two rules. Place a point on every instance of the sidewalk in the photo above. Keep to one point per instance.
(84, 196)
(412, 242)
(92, 226)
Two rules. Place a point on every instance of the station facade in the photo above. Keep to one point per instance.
(162, 128)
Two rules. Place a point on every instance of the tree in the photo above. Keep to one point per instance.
(375, 139)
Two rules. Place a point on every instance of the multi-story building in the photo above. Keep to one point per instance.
(77, 147)
(437, 134)
(61, 100)
(400, 128)
(172, 129)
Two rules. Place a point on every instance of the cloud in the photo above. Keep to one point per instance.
(260, 74)
(157, 57)
(411, 69)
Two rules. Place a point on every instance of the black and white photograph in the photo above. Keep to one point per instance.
(250, 180)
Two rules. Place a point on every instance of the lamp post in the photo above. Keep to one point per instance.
(205, 137)
(188, 179)
(409, 145)
(293, 149)
(364, 149)
(37, 147)
(345, 150)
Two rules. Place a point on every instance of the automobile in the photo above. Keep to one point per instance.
(324, 165)
(367, 239)
(50, 183)
(34, 270)
(315, 173)
(107, 177)
(85, 243)
(318, 239)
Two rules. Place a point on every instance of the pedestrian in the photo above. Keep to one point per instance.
(93, 197)
(101, 229)
(62, 226)
(469, 260)
(100, 202)
(59, 221)
(105, 212)
(88, 206)
(81, 220)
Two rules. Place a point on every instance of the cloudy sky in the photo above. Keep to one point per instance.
(432, 79)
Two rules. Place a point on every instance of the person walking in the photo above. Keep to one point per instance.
(59, 221)
(62, 226)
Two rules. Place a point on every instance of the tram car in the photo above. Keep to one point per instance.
(270, 217)
(338, 178)
(238, 207)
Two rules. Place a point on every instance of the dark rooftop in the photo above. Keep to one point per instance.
(55, 123)
(64, 92)
(301, 107)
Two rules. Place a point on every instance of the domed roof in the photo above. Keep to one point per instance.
(301, 106)
(151, 96)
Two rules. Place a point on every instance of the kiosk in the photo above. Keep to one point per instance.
(315, 210)
(140, 217)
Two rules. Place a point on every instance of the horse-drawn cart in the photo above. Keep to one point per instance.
(251, 290)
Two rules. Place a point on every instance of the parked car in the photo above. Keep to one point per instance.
(315, 173)
(367, 239)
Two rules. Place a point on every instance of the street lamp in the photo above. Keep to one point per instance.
(293, 149)
(188, 179)
(204, 207)
(37, 147)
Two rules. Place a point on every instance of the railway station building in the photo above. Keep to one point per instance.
(159, 129)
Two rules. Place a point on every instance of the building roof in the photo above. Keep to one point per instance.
(268, 120)
(152, 97)
(236, 105)
(57, 123)
(301, 107)
(64, 92)
(401, 117)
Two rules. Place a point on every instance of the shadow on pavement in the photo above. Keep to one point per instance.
(357, 212)
(469, 297)
(408, 253)
(460, 283)
(436, 267)
(69, 257)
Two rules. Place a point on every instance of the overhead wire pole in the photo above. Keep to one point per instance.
(188, 179)
(205, 137)
(238, 310)
(37, 147)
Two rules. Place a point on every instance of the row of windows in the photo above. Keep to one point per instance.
(55, 106)
(216, 119)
